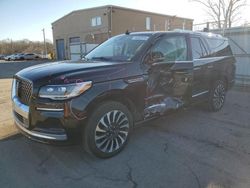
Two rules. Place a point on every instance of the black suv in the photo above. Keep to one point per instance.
(126, 80)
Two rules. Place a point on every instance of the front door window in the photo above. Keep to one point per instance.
(170, 49)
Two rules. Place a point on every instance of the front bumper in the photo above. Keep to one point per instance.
(22, 115)
(21, 111)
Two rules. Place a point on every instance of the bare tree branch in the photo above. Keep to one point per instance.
(221, 11)
(9, 46)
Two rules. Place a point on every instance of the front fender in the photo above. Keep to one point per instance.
(114, 90)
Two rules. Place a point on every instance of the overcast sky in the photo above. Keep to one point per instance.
(24, 19)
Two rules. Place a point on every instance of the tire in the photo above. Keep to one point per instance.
(217, 96)
(107, 130)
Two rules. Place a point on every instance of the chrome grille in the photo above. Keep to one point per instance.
(24, 90)
(23, 120)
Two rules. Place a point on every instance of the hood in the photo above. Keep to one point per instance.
(72, 71)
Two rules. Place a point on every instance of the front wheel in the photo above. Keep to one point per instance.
(107, 130)
(217, 96)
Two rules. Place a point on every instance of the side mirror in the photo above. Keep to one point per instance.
(83, 57)
(154, 57)
(157, 57)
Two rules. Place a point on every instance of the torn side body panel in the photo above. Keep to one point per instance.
(168, 88)
(169, 103)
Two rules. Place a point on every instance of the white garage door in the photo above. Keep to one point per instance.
(75, 51)
(79, 50)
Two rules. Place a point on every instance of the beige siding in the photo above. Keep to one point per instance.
(78, 24)
(125, 19)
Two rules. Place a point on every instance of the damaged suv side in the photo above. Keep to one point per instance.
(126, 80)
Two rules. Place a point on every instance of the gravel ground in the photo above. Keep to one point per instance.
(7, 127)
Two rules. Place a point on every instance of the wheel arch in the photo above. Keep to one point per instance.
(116, 95)
(218, 75)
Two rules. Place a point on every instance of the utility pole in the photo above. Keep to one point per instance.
(11, 45)
(45, 47)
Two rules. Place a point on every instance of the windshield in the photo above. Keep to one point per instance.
(120, 48)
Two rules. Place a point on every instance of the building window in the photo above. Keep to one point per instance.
(148, 23)
(95, 21)
(74, 40)
(98, 21)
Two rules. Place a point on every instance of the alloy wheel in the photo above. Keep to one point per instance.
(219, 96)
(111, 131)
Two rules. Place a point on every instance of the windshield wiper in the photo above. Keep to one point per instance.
(101, 58)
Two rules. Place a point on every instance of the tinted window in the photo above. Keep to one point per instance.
(198, 49)
(219, 47)
(204, 51)
(171, 48)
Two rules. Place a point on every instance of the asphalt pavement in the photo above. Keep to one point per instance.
(9, 68)
(187, 149)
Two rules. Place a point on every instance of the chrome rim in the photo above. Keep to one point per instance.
(111, 131)
(219, 96)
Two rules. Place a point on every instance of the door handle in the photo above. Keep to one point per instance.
(210, 66)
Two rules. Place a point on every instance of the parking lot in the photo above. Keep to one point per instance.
(7, 70)
(190, 148)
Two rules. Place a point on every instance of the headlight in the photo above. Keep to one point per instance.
(65, 91)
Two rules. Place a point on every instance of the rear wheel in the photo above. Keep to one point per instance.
(217, 96)
(107, 130)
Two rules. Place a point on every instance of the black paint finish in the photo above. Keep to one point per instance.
(132, 83)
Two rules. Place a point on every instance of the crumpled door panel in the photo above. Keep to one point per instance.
(168, 103)
(168, 87)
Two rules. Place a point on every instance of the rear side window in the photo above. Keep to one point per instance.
(219, 47)
(171, 48)
(198, 49)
